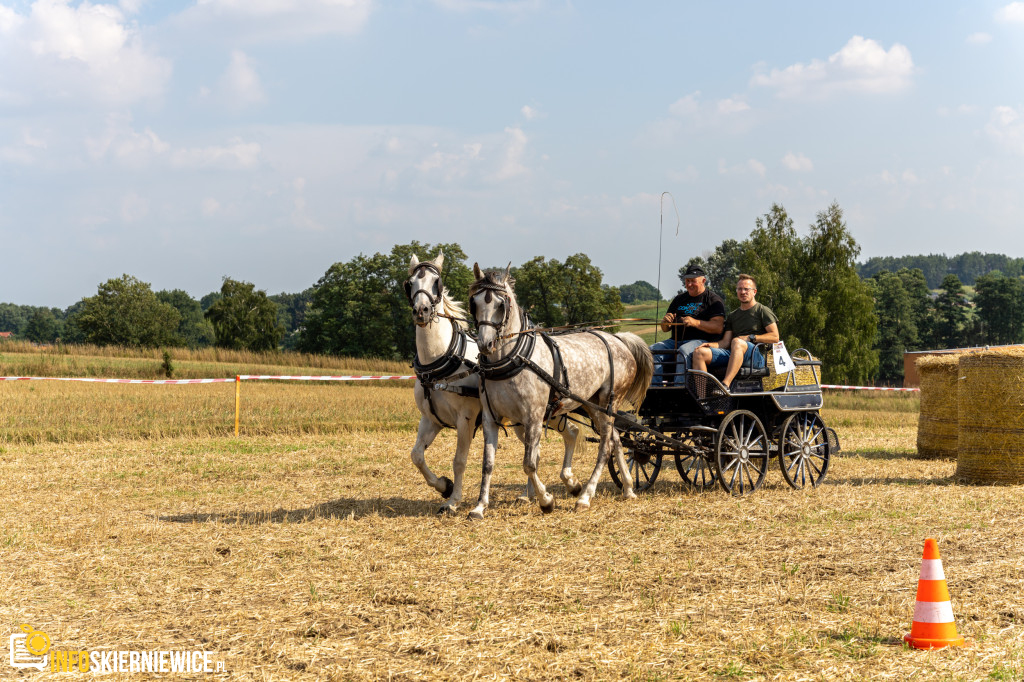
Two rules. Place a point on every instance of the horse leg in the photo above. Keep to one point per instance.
(620, 460)
(490, 444)
(531, 460)
(570, 439)
(529, 494)
(603, 425)
(465, 426)
(425, 435)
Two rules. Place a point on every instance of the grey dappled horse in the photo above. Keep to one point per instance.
(446, 392)
(604, 369)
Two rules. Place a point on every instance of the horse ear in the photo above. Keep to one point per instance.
(477, 272)
(413, 262)
(508, 270)
(439, 261)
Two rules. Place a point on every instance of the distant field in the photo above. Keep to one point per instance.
(308, 548)
(651, 311)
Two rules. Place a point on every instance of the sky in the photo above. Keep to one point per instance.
(265, 140)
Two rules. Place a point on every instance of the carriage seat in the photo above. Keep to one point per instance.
(745, 372)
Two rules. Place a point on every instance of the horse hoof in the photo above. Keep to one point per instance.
(475, 516)
(629, 496)
(449, 487)
(548, 508)
(582, 507)
(446, 511)
(576, 490)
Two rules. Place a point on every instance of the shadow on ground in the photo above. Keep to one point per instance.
(390, 507)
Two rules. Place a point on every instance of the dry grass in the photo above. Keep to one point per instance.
(19, 358)
(312, 557)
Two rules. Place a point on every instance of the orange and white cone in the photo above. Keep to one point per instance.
(933, 626)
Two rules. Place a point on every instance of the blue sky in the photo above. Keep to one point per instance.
(180, 142)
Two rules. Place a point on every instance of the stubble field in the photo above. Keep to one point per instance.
(308, 548)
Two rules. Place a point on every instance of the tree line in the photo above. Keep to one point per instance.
(966, 266)
(859, 326)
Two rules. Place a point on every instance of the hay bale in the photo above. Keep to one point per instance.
(990, 445)
(937, 430)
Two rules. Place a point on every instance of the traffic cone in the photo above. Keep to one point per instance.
(933, 626)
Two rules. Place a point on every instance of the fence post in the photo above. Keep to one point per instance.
(238, 399)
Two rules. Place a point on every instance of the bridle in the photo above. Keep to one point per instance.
(499, 291)
(434, 297)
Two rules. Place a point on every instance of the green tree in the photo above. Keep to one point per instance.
(555, 293)
(359, 308)
(194, 330)
(126, 312)
(42, 327)
(639, 290)
(897, 324)
(950, 314)
(720, 266)
(812, 285)
(244, 318)
(1000, 308)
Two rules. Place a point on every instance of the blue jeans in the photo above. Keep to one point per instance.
(682, 359)
(751, 358)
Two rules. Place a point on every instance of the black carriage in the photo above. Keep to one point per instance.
(718, 436)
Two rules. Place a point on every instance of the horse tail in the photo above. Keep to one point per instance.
(644, 367)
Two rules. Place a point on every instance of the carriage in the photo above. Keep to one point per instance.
(718, 436)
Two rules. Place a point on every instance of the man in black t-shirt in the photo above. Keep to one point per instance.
(695, 317)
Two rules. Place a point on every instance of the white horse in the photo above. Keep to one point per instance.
(447, 392)
(529, 382)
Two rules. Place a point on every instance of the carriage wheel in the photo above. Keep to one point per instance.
(804, 449)
(643, 461)
(695, 470)
(741, 452)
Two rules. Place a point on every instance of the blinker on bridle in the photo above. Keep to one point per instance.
(435, 297)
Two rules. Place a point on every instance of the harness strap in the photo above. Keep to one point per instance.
(559, 372)
(611, 369)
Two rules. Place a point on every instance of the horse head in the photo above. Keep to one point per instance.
(424, 288)
(491, 301)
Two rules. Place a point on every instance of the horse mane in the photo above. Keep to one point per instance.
(454, 309)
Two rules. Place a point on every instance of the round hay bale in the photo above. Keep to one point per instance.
(937, 421)
(990, 447)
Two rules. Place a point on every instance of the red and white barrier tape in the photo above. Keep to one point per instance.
(243, 377)
(120, 381)
(869, 388)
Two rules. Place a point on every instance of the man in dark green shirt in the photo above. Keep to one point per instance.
(745, 327)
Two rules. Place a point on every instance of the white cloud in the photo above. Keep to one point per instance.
(125, 146)
(507, 6)
(732, 106)
(237, 155)
(530, 113)
(209, 207)
(1011, 14)
(862, 65)
(979, 38)
(240, 84)
(685, 106)
(76, 53)
(515, 148)
(271, 20)
(797, 162)
(134, 208)
(749, 166)
(1006, 128)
